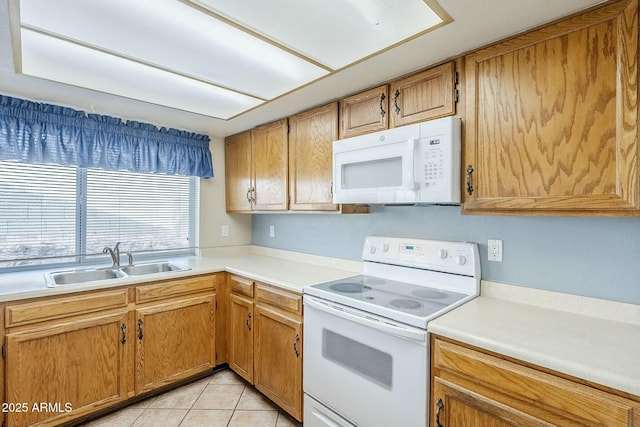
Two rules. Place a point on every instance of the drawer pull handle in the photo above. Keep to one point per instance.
(439, 406)
(249, 321)
(140, 332)
(295, 345)
(382, 98)
(469, 184)
(248, 195)
(123, 328)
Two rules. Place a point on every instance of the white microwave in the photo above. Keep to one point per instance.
(413, 164)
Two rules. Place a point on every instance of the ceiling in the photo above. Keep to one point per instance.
(223, 66)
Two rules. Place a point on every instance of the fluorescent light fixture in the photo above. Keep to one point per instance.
(216, 58)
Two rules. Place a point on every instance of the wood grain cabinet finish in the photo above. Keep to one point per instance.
(552, 119)
(72, 367)
(238, 182)
(311, 139)
(424, 96)
(471, 387)
(269, 164)
(175, 340)
(364, 112)
(241, 337)
(278, 347)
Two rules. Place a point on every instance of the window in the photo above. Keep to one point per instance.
(60, 214)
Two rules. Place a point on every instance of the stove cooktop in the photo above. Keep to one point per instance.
(413, 304)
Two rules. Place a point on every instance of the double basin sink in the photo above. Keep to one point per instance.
(70, 277)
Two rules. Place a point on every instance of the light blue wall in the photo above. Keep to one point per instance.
(595, 257)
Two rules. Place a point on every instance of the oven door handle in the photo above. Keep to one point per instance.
(415, 335)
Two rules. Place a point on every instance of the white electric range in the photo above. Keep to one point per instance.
(366, 336)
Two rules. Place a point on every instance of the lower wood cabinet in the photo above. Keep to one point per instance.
(67, 369)
(278, 359)
(175, 340)
(69, 356)
(472, 387)
(265, 341)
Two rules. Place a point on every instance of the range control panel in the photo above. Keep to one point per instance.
(450, 257)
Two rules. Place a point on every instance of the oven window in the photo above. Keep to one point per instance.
(372, 174)
(359, 358)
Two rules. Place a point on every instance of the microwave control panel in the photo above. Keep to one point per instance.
(437, 162)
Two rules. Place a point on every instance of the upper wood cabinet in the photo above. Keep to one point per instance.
(423, 96)
(472, 388)
(237, 171)
(552, 119)
(311, 139)
(364, 112)
(269, 152)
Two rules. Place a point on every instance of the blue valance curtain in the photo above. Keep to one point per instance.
(33, 132)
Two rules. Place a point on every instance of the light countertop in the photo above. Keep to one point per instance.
(596, 349)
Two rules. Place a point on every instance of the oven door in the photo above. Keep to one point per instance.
(368, 369)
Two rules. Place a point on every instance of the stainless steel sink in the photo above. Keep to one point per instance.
(81, 276)
(151, 268)
(70, 277)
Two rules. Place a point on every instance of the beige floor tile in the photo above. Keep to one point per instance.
(254, 419)
(122, 418)
(226, 377)
(180, 398)
(284, 420)
(219, 396)
(253, 400)
(207, 417)
(160, 417)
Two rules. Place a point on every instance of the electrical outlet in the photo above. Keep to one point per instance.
(224, 231)
(495, 250)
(272, 231)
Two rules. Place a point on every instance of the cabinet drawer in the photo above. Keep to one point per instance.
(56, 308)
(241, 285)
(535, 389)
(279, 298)
(169, 288)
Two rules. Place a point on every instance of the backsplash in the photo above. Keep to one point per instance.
(593, 257)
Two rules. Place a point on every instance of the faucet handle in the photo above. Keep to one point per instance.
(130, 258)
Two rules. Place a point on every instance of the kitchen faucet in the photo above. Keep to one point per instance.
(115, 254)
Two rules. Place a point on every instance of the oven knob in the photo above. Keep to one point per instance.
(460, 260)
(372, 249)
(385, 247)
(442, 253)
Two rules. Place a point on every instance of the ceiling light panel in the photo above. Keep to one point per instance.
(176, 37)
(335, 33)
(54, 59)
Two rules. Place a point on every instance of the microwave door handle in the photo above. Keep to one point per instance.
(411, 182)
(388, 328)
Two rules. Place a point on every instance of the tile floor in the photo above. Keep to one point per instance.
(220, 400)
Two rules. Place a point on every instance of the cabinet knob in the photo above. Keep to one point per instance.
(140, 332)
(123, 329)
(249, 321)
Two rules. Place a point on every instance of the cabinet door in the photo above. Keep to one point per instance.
(310, 158)
(241, 337)
(78, 366)
(453, 405)
(424, 96)
(237, 155)
(552, 118)
(365, 112)
(269, 157)
(278, 359)
(175, 340)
